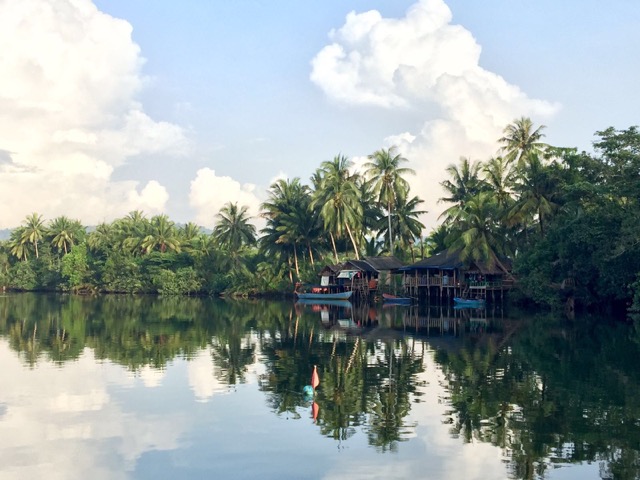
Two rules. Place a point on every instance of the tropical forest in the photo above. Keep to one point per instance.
(561, 216)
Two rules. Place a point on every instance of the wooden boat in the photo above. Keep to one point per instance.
(388, 298)
(468, 302)
(324, 296)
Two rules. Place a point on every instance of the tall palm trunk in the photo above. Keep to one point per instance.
(313, 264)
(295, 259)
(353, 241)
(390, 235)
(333, 244)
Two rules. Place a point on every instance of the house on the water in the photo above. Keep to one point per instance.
(446, 275)
(364, 277)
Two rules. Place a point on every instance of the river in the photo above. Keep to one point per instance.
(136, 387)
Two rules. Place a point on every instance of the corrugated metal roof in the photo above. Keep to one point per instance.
(443, 260)
(384, 263)
(360, 265)
(450, 260)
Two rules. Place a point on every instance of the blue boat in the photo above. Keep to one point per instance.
(469, 302)
(324, 296)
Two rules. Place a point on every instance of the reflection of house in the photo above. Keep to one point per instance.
(446, 275)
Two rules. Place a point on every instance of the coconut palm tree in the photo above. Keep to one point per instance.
(102, 238)
(521, 139)
(33, 230)
(161, 236)
(372, 215)
(477, 233)
(536, 189)
(338, 199)
(302, 226)
(130, 232)
(499, 178)
(464, 183)
(64, 233)
(189, 234)
(384, 167)
(406, 226)
(17, 246)
(232, 229)
(279, 238)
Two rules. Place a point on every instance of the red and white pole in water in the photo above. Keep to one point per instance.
(315, 379)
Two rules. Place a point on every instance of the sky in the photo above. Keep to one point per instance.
(110, 106)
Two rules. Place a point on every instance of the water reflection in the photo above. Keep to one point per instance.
(425, 383)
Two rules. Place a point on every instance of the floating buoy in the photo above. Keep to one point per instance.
(308, 391)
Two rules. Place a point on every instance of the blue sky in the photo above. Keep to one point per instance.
(178, 107)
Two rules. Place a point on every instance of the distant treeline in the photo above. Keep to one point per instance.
(570, 221)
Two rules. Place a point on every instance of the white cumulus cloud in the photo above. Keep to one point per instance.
(424, 62)
(69, 78)
(209, 192)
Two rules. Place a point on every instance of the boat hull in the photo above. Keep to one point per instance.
(324, 296)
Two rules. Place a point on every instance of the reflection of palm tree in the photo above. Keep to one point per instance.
(341, 397)
(388, 402)
(232, 349)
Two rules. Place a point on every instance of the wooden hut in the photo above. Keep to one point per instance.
(364, 275)
(446, 275)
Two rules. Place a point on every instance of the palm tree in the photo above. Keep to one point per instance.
(338, 198)
(301, 226)
(405, 224)
(521, 139)
(189, 234)
(536, 189)
(161, 235)
(102, 237)
(384, 168)
(33, 230)
(499, 178)
(64, 233)
(17, 246)
(233, 230)
(279, 237)
(372, 215)
(130, 232)
(464, 183)
(477, 233)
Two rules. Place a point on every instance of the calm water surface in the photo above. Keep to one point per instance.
(152, 388)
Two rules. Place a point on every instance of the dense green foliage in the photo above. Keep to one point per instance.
(569, 221)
